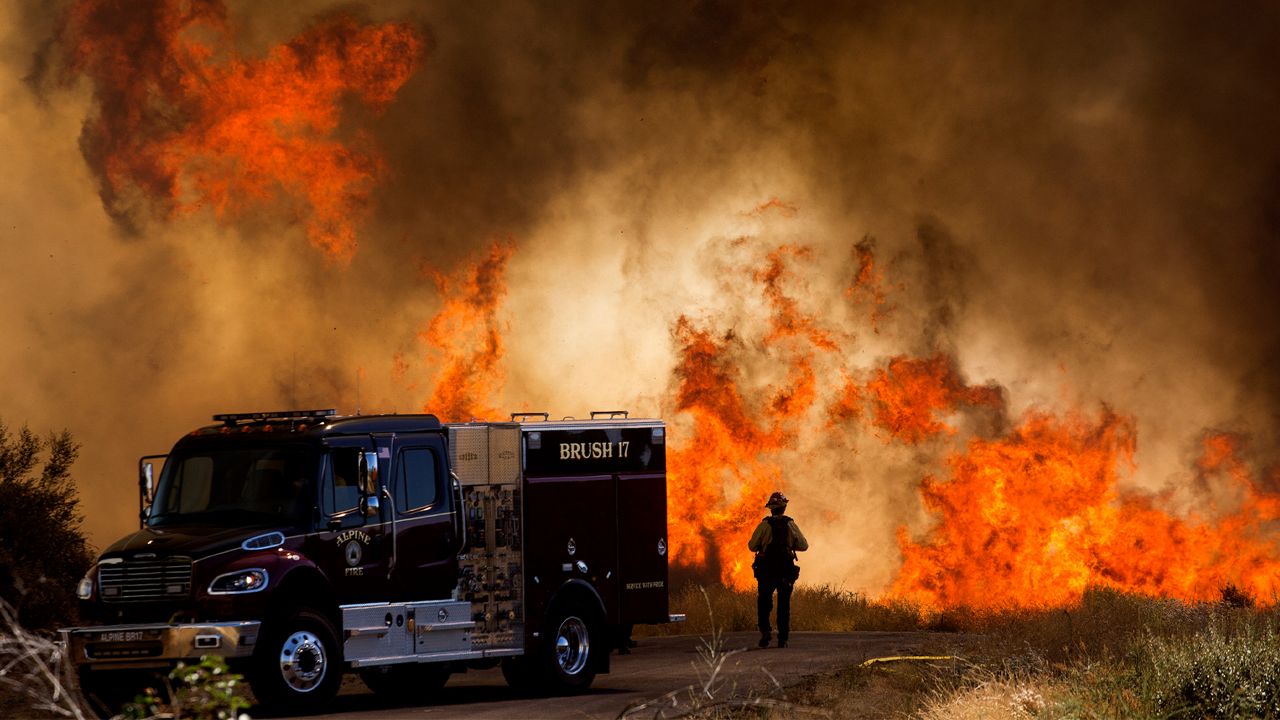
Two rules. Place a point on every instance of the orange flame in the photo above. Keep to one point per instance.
(783, 208)
(464, 338)
(786, 320)
(707, 526)
(847, 404)
(188, 123)
(1033, 519)
(720, 474)
(1028, 517)
(908, 396)
(867, 287)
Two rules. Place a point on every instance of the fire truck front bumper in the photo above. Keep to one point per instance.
(147, 645)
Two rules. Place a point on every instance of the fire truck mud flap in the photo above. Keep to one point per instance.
(157, 644)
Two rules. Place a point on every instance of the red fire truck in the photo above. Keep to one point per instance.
(300, 545)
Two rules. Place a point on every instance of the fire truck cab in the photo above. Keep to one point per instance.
(300, 545)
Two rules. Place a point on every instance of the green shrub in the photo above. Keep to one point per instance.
(1231, 672)
(43, 552)
(205, 691)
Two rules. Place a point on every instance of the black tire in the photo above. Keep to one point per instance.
(573, 637)
(297, 664)
(518, 673)
(411, 682)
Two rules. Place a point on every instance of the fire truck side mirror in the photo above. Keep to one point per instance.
(148, 481)
(146, 487)
(369, 483)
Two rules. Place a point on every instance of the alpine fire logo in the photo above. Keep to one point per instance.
(354, 553)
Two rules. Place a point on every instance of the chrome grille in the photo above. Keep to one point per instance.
(133, 580)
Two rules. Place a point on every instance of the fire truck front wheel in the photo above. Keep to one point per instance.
(567, 658)
(297, 664)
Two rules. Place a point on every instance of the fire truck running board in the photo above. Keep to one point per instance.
(434, 657)
(426, 631)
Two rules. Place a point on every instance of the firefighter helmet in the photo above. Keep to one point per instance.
(776, 500)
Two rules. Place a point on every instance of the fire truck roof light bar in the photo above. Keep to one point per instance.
(233, 418)
(610, 414)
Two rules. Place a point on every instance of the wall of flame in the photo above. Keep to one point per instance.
(990, 295)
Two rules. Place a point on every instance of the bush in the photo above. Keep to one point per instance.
(1125, 655)
(204, 691)
(1231, 672)
(43, 553)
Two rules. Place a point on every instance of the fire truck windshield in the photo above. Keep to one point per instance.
(235, 486)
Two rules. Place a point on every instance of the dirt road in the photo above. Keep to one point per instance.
(656, 667)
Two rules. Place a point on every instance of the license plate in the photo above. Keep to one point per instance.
(127, 635)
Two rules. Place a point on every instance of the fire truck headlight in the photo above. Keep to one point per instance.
(85, 589)
(240, 581)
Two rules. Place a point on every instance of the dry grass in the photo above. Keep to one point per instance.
(1103, 625)
(821, 608)
(883, 692)
(34, 678)
(994, 698)
(855, 692)
(712, 696)
(1117, 655)
(1114, 655)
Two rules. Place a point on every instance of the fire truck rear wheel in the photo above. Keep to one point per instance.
(568, 660)
(297, 664)
(403, 683)
(518, 674)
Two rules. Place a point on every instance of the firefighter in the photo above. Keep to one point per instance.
(775, 542)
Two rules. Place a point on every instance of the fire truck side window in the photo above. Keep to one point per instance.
(339, 492)
(417, 479)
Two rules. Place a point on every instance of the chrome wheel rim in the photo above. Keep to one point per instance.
(572, 646)
(302, 661)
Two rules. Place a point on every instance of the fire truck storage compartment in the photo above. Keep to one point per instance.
(385, 633)
(486, 459)
(595, 514)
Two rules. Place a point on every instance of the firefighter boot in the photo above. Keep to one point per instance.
(764, 641)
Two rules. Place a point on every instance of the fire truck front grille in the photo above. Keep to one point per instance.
(134, 580)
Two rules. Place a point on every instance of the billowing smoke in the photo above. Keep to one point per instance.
(1062, 205)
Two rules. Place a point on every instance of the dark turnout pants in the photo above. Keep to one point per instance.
(764, 603)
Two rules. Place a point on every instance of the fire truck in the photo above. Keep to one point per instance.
(301, 545)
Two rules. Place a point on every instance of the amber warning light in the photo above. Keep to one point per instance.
(233, 418)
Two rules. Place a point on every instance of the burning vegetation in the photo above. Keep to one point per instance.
(789, 379)
(1028, 514)
(186, 123)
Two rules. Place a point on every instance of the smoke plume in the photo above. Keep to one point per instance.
(814, 210)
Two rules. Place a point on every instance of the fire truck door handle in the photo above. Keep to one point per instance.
(391, 505)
